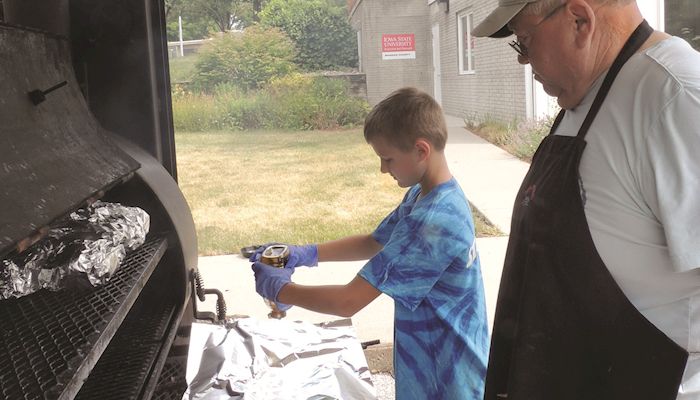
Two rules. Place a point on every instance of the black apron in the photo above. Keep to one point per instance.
(563, 328)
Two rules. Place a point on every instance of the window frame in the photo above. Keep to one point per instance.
(469, 70)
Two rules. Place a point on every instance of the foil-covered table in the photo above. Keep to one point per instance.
(269, 359)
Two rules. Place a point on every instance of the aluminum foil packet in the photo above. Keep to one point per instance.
(254, 359)
(85, 249)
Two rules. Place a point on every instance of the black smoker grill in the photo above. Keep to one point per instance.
(85, 113)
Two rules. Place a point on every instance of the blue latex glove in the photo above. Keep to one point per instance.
(270, 280)
(298, 255)
(302, 255)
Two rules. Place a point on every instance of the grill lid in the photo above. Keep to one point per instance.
(54, 154)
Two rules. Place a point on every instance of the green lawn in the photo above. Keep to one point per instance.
(253, 187)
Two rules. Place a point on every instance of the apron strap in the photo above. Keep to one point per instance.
(557, 120)
(635, 41)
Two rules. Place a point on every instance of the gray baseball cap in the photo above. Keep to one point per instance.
(495, 25)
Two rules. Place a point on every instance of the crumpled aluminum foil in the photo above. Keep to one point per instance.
(87, 247)
(252, 359)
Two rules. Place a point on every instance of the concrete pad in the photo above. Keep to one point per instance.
(492, 253)
(232, 275)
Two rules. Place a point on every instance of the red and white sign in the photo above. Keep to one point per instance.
(398, 46)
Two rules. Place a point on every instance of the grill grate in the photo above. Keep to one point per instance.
(172, 384)
(49, 341)
(124, 367)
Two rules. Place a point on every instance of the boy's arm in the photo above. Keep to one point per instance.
(351, 248)
(340, 300)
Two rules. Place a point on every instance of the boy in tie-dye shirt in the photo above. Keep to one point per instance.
(422, 254)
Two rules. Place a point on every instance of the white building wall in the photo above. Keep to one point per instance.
(653, 12)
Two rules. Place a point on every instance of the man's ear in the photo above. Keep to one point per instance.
(424, 148)
(585, 20)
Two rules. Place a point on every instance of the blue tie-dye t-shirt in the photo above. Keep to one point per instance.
(430, 267)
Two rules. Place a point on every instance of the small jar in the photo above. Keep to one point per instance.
(276, 256)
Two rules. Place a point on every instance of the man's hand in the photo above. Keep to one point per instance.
(270, 280)
(298, 255)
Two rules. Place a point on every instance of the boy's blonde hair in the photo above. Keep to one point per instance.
(404, 116)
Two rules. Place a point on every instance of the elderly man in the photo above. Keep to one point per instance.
(600, 293)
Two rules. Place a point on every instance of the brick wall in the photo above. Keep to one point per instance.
(497, 87)
(495, 90)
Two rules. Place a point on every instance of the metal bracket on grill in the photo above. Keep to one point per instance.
(38, 96)
(201, 292)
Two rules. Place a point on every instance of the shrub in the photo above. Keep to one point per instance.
(241, 110)
(519, 139)
(303, 102)
(196, 112)
(293, 102)
(337, 108)
(489, 128)
(248, 59)
(528, 135)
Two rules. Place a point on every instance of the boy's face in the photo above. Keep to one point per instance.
(406, 167)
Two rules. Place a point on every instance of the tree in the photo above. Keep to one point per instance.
(192, 28)
(221, 12)
(258, 5)
(320, 29)
(170, 5)
(194, 24)
(226, 15)
(202, 17)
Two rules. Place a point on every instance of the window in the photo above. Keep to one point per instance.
(466, 43)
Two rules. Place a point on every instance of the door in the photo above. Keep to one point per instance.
(437, 73)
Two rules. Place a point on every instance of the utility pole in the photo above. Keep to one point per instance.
(182, 46)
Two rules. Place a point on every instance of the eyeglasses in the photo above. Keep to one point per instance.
(519, 47)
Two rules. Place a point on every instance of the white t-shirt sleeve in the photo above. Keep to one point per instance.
(674, 165)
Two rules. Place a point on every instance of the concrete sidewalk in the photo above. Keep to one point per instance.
(490, 178)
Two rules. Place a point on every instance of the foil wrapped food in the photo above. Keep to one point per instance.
(85, 249)
(253, 359)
